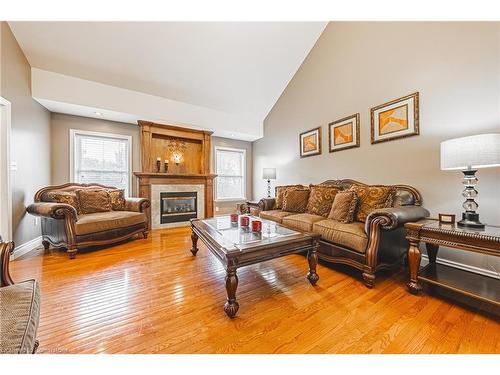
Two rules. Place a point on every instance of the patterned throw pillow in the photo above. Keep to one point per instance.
(63, 197)
(280, 194)
(117, 197)
(295, 200)
(320, 199)
(344, 206)
(93, 200)
(371, 198)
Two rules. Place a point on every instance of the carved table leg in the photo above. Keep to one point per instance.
(414, 258)
(432, 251)
(46, 244)
(231, 306)
(312, 258)
(194, 240)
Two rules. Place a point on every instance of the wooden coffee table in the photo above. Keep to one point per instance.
(237, 247)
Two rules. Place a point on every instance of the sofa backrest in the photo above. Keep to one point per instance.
(41, 195)
(406, 195)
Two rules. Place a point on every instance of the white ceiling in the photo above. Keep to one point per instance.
(237, 68)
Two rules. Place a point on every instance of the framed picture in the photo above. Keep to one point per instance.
(344, 133)
(310, 142)
(395, 119)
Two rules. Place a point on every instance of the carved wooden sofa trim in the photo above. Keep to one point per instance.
(59, 221)
(386, 245)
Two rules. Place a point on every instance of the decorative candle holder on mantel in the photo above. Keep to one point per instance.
(158, 164)
(166, 165)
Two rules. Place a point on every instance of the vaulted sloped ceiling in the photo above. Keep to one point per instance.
(235, 68)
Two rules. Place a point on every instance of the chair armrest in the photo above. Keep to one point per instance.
(53, 210)
(267, 204)
(393, 217)
(136, 204)
(6, 249)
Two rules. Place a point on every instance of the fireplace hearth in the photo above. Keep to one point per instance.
(178, 206)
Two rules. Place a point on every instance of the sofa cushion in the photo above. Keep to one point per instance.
(371, 198)
(274, 215)
(280, 194)
(303, 222)
(66, 197)
(93, 200)
(117, 197)
(20, 312)
(103, 221)
(295, 200)
(350, 235)
(344, 206)
(320, 199)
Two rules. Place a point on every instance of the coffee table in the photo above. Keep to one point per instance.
(236, 247)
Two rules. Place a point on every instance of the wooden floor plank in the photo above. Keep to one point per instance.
(152, 296)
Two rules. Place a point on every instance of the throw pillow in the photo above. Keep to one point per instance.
(117, 197)
(371, 198)
(321, 199)
(295, 200)
(344, 207)
(63, 197)
(93, 200)
(280, 194)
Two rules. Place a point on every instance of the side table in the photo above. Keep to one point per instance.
(434, 234)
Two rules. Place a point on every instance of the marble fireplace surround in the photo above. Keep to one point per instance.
(156, 189)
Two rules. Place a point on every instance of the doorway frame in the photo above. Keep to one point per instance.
(5, 177)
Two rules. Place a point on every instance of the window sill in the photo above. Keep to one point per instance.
(229, 200)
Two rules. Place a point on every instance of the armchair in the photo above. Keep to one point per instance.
(64, 227)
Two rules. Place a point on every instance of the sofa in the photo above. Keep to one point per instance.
(67, 224)
(19, 309)
(371, 245)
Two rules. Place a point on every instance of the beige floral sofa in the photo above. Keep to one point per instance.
(372, 240)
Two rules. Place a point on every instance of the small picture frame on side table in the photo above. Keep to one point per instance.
(446, 219)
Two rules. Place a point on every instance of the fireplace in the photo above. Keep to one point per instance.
(178, 206)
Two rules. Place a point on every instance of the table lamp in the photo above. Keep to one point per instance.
(269, 174)
(468, 154)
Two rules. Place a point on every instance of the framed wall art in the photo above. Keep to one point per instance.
(344, 133)
(395, 119)
(310, 142)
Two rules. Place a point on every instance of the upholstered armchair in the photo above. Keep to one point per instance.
(19, 309)
(64, 225)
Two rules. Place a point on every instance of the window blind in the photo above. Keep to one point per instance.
(102, 159)
(230, 169)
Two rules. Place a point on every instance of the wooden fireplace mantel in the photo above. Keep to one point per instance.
(194, 168)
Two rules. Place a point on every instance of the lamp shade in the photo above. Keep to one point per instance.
(269, 173)
(474, 152)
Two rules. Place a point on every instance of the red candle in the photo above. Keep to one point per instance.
(244, 221)
(256, 225)
(234, 218)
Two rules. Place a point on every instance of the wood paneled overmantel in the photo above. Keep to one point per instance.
(194, 167)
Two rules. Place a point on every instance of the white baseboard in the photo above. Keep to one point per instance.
(465, 267)
(26, 247)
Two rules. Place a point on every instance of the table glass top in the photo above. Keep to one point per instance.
(489, 230)
(243, 236)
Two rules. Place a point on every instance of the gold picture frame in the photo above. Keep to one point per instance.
(343, 134)
(310, 142)
(396, 119)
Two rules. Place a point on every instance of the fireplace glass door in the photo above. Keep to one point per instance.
(178, 207)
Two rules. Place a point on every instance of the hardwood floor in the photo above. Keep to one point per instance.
(152, 296)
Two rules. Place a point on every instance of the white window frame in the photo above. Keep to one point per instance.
(244, 174)
(5, 171)
(72, 150)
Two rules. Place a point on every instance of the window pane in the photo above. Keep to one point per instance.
(229, 187)
(229, 163)
(102, 160)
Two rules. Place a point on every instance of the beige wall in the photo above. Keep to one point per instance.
(61, 125)
(229, 207)
(355, 66)
(30, 137)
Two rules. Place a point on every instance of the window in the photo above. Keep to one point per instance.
(230, 169)
(101, 158)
